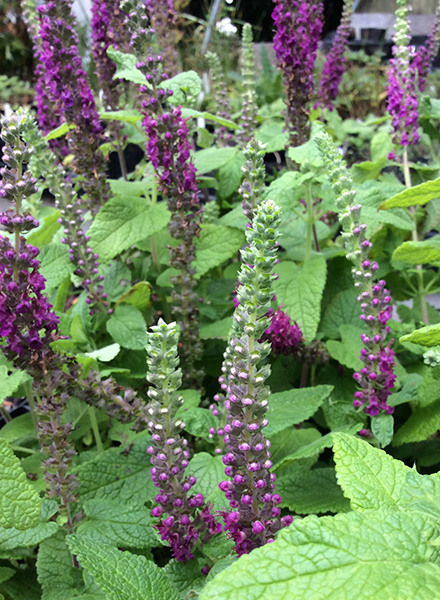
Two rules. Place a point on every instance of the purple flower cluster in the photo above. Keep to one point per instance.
(334, 65)
(107, 29)
(284, 336)
(298, 26)
(163, 19)
(68, 89)
(183, 518)
(169, 152)
(426, 54)
(402, 102)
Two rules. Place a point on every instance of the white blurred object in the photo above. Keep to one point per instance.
(226, 27)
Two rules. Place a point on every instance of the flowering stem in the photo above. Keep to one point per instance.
(95, 429)
(412, 210)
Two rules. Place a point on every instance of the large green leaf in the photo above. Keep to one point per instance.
(127, 327)
(343, 309)
(44, 234)
(216, 244)
(126, 526)
(371, 478)
(20, 504)
(184, 85)
(213, 158)
(417, 195)
(126, 66)
(294, 406)
(317, 491)
(418, 253)
(55, 264)
(347, 352)
(423, 423)
(14, 538)
(124, 221)
(299, 290)
(426, 336)
(121, 575)
(209, 471)
(119, 475)
(56, 573)
(10, 383)
(380, 555)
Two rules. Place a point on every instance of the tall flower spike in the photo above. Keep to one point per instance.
(169, 152)
(255, 516)
(49, 117)
(44, 164)
(163, 19)
(426, 54)
(334, 65)
(28, 324)
(298, 26)
(220, 97)
(402, 94)
(376, 378)
(68, 88)
(183, 518)
(248, 117)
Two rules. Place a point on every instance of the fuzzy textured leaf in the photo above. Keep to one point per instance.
(417, 195)
(418, 253)
(118, 475)
(209, 471)
(55, 264)
(126, 526)
(127, 327)
(368, 476)
(294, 406)
(347, 352)
(10, 383)
(56, 573)
(423, 423)
(379, 555)
(299, 290)
(20, 504)
(121, 575)
(216, 244)
(122, 222)
(426, 336)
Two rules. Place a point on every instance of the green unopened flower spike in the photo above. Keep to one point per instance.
(376, 378)
(220, 98)
(183, 519)
(253, 186)
(249, 106)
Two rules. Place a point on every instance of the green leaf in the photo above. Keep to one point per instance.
(347, 352)
(273, 135)
(294, 406)
(130, 115)
(185, 577)
(343, 309)
(126, 66)
(198, 421)
(381, 145)
(120, 187)
(418, 253)
(138, 296)
(230, 175)
(56, 573)
(422, 493)
(44, 234)
(312, 492)
(118, 475)
(184, 85)
(423, 423)
(116, 280)
(23, 586)
(213, 158)
(195, 114)
(209, 471)
(10, 383)
(127, 327)
(382, 427)
(426, 336)
(13, 538)
(121, 575)
(124, 221)
(59, 132)
(219, 329)
(379, 555)
(288, 441)
(216, 244)
(55, 264)
(105, 354)
(126, 526)
(417, 195)
(191, 399)
(20, 504)
(299, 290)
(6, 573)
(369, 477)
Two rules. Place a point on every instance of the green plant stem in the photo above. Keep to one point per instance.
(121, 157)
(95, 429)
(310, 222)
(421, 289)
(31, 400)
(6, 415)
(22, 449)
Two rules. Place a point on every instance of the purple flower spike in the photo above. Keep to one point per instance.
(426, 54)
(284, 336)
(298, 27)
